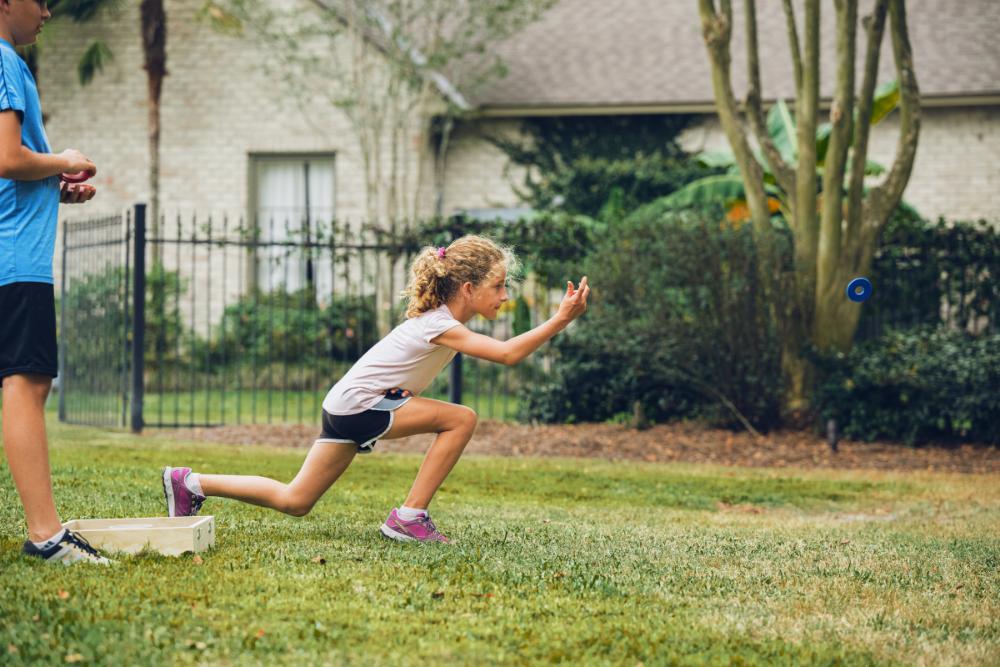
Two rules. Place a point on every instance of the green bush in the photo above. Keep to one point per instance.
(164, 329)
(96, 309)
(679, 323)
(597, 378)
(291, 327)
(93, 321)
(600, 166)
(915, 386)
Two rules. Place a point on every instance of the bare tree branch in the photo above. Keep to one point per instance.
(793, 43)
(782, 172)
(874, 27)
(708, 18)
(712, 392)
(884, 198)
(806, 111)
(716, 31)
(841, 121)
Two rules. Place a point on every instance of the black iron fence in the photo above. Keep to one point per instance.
(928, 274)
(213, 321)
(219, 320)
(95, 321)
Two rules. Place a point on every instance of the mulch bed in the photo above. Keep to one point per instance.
(688, 442)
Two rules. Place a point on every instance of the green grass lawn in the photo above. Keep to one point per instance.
(574, 561)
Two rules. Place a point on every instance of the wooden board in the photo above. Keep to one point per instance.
(170, 536)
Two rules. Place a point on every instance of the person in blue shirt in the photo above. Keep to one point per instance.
(30, 192)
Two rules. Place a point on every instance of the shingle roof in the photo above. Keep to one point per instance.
(586, 53)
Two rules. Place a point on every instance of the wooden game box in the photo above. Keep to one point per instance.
(170, 536)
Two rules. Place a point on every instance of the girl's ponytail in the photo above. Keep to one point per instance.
(428, 281)
(437, 273)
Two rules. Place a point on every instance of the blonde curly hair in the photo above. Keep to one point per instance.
(437, 273)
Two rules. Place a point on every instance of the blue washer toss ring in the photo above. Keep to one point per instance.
(859, 289)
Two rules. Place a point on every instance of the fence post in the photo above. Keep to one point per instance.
(62, 325)
(139, 318)
(455, 380)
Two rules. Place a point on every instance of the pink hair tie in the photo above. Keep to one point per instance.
(441, 252)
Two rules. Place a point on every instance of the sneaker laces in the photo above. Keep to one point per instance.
(196, 503)
(81, 542)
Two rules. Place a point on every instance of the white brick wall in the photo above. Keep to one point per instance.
(478, 174)
(216, 108)
(956, 173)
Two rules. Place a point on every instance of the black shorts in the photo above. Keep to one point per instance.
(28, 330)
(363, 428)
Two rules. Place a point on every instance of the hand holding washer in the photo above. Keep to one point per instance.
(76, 177)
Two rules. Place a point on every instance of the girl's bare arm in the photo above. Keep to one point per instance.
(510, 352)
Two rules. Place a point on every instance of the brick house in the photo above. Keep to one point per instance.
(225, 128)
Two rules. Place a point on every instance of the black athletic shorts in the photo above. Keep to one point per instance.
(28, 330)
(363, 428)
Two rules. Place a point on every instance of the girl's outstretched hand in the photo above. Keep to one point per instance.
(574, 303)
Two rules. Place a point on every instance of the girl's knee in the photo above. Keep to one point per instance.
(466, 417)
(458, 418)
(297, 505)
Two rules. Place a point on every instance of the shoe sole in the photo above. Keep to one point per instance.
(400, 537)
(77, 559)
(393, 535)
(168, 490)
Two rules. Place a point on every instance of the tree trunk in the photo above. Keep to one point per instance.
(836, 243)
(804, 214)
(154, 46)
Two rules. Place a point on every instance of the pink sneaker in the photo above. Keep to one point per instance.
(180, 500)
(421, 529)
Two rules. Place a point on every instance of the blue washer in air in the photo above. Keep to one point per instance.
(859, 289)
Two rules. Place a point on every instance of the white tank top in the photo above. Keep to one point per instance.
(406, 358)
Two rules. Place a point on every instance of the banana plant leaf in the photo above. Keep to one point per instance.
(884, 101)
(722, 189)
(781, 129)
(713, 159)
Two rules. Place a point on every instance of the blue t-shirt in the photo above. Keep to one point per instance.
(28, 209)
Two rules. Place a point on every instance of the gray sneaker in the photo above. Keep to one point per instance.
(69, 550)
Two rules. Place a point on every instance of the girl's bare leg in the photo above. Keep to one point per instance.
(325, 462)
(454, 425)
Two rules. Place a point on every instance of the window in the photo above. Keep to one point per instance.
(294, 205)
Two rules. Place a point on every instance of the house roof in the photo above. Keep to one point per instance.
(648, 54)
